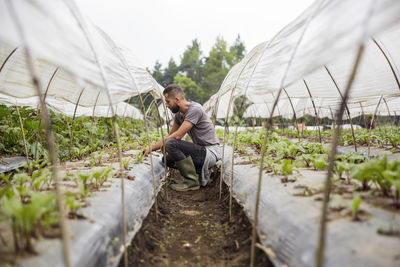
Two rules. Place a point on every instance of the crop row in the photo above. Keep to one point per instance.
(284, 157)
(28, 204)
(381, 137)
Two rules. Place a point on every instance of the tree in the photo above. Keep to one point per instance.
(191, 64)
(217, 66)
(238, 50)
(240, 105)
(201, 77)
(170, 72)
(157, 72)
(192, 90)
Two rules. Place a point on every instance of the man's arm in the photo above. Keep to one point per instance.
(176, 132)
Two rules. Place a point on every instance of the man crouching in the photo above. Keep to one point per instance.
(191, 159)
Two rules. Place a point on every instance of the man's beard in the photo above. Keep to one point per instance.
(175, 109)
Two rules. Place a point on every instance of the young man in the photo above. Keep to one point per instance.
(194, 158)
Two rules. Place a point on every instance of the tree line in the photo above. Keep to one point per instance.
(200, 76)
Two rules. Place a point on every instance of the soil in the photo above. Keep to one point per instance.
(193, 229)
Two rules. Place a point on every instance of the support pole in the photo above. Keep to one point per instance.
(7, 58)
(370, 126)
(72, 125)
(363, 114)
(163, 147)
(225, 128)
(315, 111)
(74, 11)
(23, 138)
(294, 114)
(93, 117)
(124, 62)
(333, 118)
(319, 259)
(346, 106)
(45, 115)
(388, 110)
(44, 100)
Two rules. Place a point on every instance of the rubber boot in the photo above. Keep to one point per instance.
(188, 170)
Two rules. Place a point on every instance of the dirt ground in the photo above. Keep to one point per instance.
(193, 229)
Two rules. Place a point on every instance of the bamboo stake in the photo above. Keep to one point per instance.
(263, 150)
(363, 114)
(388, 110)
(93, 117)
(74, 10)
(146, 128)
(294, 114)
(163, 147)
(23, 137)
(44, 99)
(346, 106)
(225, 128)
(49, 134)
(315, 111)
(265, 141)
(370, 126)
(332, 154)
(72, 125)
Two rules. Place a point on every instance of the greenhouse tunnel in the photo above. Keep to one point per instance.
(308, 122)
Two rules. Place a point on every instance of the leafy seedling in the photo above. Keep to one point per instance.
(139, 157)
(355, 208)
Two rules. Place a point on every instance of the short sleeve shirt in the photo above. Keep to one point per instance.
(202, 132)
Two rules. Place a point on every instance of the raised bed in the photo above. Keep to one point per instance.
(97, 240)
(289, 224)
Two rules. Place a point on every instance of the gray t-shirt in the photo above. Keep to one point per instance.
(202, 132)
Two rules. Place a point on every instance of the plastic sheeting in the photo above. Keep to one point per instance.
(93, 239)
(10, 164)
(289, 224)
(65, 61)
(122, 110)
(317, 50)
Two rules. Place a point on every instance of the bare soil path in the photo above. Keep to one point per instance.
(193, 229)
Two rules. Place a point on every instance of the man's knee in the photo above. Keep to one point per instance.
(171, 144)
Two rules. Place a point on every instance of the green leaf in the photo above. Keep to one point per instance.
(356, 206)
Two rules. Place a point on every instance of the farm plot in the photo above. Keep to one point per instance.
(363, 212)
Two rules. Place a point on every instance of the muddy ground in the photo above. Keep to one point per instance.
(193, 229)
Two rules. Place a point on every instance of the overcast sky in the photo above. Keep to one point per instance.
(161, 29)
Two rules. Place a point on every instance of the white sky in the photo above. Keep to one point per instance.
(161, 29)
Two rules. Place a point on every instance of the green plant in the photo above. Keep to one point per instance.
(27, 219)
(319, 161)
(6, 190)
(100, 176)
(114, 241)
(285, 168)
(41, 179)
(73, 204)
(139, 157)
(342, 167)
(383, 173)
(92, 180)
(126, 163)
(83, 181)
(355, 207)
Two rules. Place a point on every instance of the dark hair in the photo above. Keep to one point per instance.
(174, 90)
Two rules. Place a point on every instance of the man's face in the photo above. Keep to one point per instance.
(171, 104)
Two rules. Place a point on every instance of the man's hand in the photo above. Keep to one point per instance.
(146, 151)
